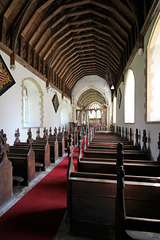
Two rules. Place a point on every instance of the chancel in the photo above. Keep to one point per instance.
(80, 115)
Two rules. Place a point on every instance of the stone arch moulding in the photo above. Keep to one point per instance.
(40, 101)
(85, 89)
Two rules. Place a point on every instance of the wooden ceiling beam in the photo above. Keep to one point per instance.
(83, 67)
(97, 58)
(65, 60)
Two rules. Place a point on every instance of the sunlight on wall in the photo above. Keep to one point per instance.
(153, 74)
(129, 100)
(114, 109)
(65, 115)
(32, 104)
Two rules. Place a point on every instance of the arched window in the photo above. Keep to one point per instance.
(32, 106)
(93, 113)
(129, 99)
(153, 74)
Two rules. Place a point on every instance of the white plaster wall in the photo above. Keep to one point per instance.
(139, 68)
(66, 110)
(11, 105)
(92, 81)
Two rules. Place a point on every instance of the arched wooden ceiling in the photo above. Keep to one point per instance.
(65, 40)
(89, 96)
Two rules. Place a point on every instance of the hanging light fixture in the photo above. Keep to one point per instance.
(112, 87)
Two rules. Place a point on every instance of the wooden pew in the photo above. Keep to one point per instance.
(23, 161)
(110, 140)
(41, 150)
(6, 182)
(110, 153)
(53, 142)
(131, 168)
(123, 220)
(113, 146)
(105, 145)
(61, 142)
(66, 139)
(105, 165)
(84, 193)
(91, 197)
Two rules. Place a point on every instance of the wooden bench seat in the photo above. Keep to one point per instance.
(110, 140)
(23, 161)
(92, 197)
(114, 160)
(42, 153)
(52, 147)
(110, 146)
(41, 150)
(110, 153)
(123, 220)
(139, 169)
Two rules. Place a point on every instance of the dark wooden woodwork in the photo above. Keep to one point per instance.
(137, 138)
(123, 220)
(103, 145)
(61, 143)
(41, 148)
(6, 182)
(120, 217)
(66, 139)
(17, 135)
(135, 168)
(42, 153)
(126, 134)
(130, 135)
(92, 197)
(53, 143)
(23, 161)
(109, 153)
(140, 167)
(75, 39)
(144, 139)
(122, 132)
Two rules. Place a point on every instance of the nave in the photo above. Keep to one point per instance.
(63, 232)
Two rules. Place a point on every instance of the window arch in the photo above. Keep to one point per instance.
(153, 74)
(129, 98)
(32, 104)
(93, 113)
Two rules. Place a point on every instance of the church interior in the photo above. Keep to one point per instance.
(80, 119)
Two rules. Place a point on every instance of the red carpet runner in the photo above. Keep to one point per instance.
(39, 213)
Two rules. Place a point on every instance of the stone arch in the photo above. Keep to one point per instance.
(35, 104)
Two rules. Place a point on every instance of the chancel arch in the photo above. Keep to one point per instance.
(91, 108)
